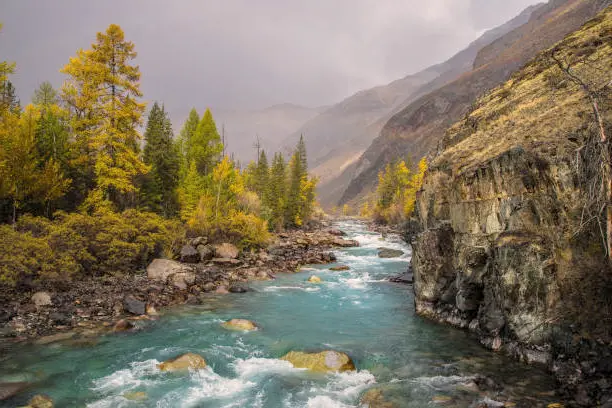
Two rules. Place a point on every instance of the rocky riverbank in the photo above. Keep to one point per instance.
(79, 311)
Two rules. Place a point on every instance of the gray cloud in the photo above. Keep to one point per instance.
(245, 53)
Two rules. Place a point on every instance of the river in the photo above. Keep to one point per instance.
(415, 362)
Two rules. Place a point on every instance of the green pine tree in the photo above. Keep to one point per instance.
(191, 188)
(204, 147)
(162, 155)
(185, 137)
(274, 198)
(262, 174)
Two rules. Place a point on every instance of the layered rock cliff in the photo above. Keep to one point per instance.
(417, 128)
(505, 249)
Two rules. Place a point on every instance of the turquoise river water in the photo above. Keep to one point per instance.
(415, 362)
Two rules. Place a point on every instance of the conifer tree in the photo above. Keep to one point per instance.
(8, 97)
(262, 175)
(204, 147)
(103, 92)
(300, 195)
(162, 155)
(187, 132)
(190, 190)
(276, 192)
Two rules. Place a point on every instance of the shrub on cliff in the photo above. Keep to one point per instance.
(77, 244)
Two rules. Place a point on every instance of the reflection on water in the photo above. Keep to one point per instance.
(414, 362)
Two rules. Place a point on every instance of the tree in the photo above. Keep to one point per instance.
(103, 91)
(301, 189)
(262, 174)
(187, 132)
(190, 190)
(204, 147)
(8, 97)
(45, 95)
(276, 192)
(162, 155)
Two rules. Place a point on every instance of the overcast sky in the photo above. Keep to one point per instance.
(249, 53)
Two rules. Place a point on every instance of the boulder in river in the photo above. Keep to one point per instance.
(189, 254)
(10, 389)
(324, 361)
(238, 289)
(184, 362)
(314, 279)
(135, 395)
(42, 299)
(123, 325)
(133, 305)
(374, 398)
(240, 324)
(336, 232)
(226, 250)
(40, 401)
(340, 268)
(389, 253)
(406, 278)
(345, 243)
(161, 269)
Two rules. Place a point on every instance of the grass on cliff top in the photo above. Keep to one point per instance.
(538, 109)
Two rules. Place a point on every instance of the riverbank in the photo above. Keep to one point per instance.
(83, 309)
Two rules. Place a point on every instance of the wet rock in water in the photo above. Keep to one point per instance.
(240, 324)
(123, 325)
(10, 389)
(182, 280)
(374, 398)
(226, 250)
(133, 305)
(314, 279)
(221, 290)
(238, 289)
(389, 253)
(336, 232)
(161, 269)
(54, 338)
(441, 399)
(207, 252)
(345, 243)
(189, 254)
(340, 268)
(135, 395)
(151, 311)
(406, 278)
(40, 401)
(42, 299)
(324, 361)
(185, 362)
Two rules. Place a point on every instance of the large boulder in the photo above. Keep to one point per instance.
(389, 253)
(182, 280)
(135, 395)
(207, 252)
(189, 254)
(42, 299)
(226, 250)
(10, 389)
(161, 269)
(133, 305)
(324, 361)
(185, 362)
(345, 243)
(240, 324)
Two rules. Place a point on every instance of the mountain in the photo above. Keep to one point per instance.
(337, 137)
(417, 128)
(271, 124)
(511, 242)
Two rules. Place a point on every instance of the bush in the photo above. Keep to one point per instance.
(105, 243)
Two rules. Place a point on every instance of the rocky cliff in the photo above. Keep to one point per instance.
(505, 248)
(417, 128)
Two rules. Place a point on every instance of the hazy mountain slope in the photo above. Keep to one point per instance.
(417, 128)
(272, 124)
(338, 136)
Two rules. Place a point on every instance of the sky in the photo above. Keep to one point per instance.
(249, 54)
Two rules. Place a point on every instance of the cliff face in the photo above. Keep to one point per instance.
(418, 128)
(505, 248)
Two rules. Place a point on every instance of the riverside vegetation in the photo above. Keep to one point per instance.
(80, 195)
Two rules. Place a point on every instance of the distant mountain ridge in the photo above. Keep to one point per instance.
(418, 127)
(338, 136)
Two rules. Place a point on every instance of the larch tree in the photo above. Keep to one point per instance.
(103, 91)
(162, 155)
(204, 147)
(185, 136)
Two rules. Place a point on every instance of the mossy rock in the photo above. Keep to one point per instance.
(315, 279)
(340, 268)
(40, 401)
(240, 324)
(135, 395)
(183, 362)
(325, 361)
